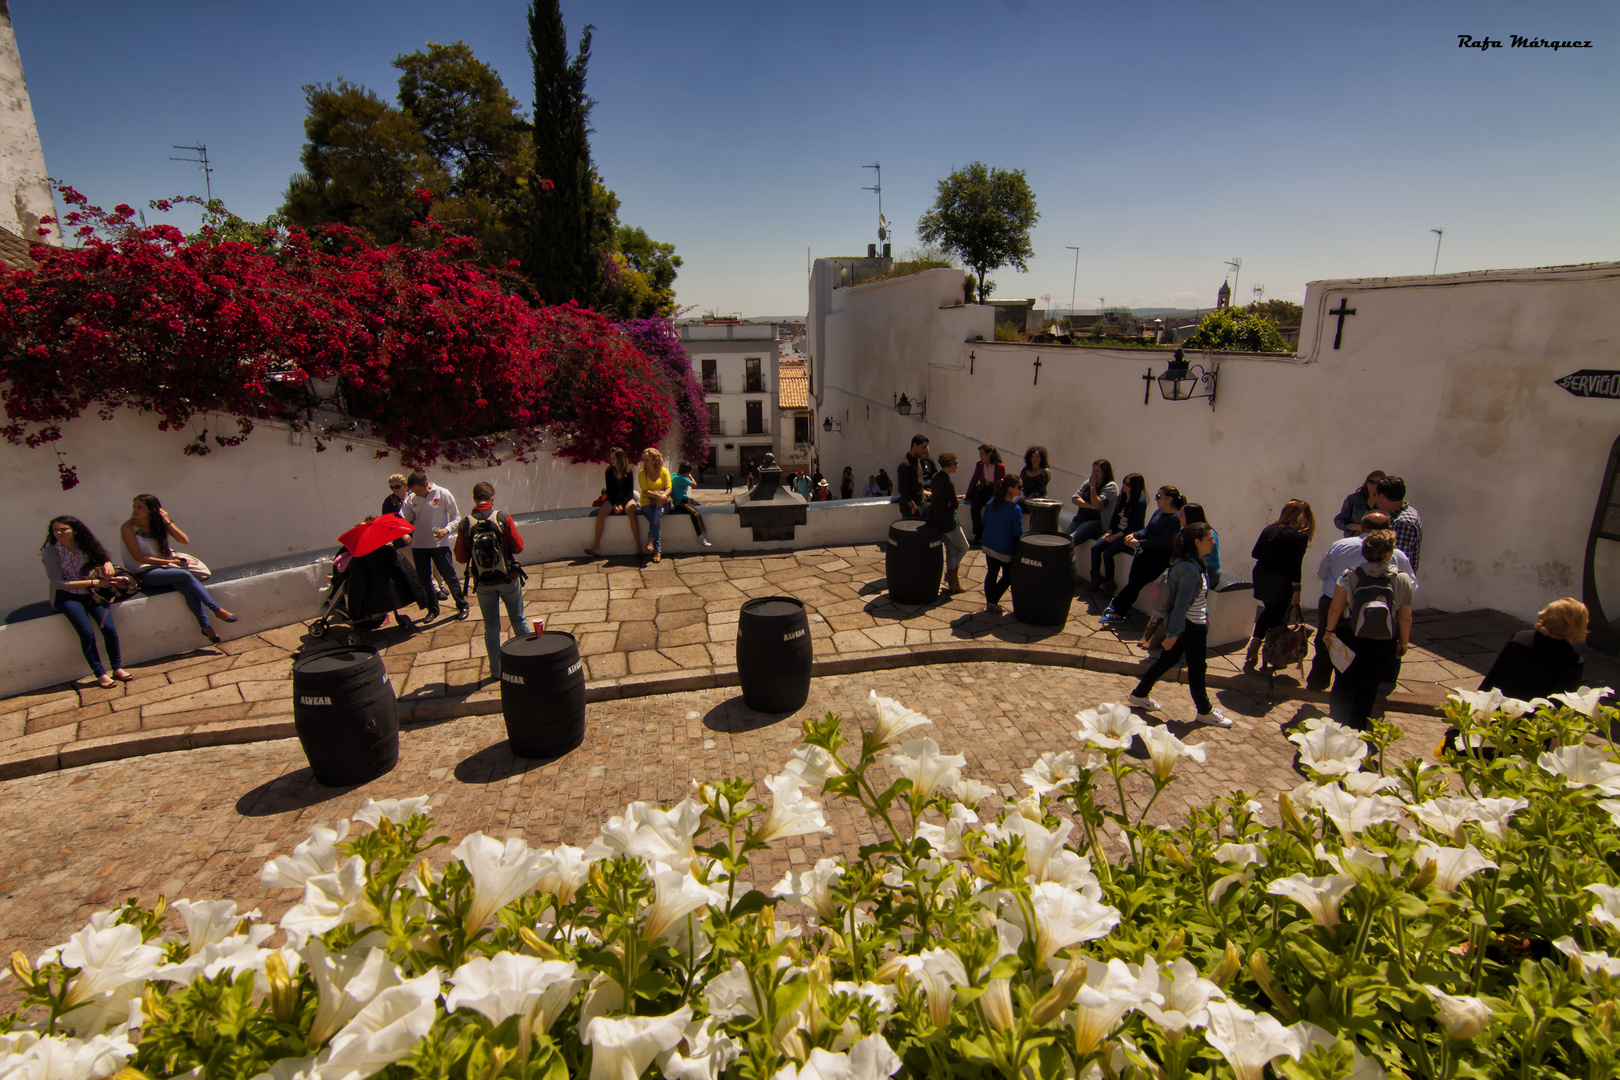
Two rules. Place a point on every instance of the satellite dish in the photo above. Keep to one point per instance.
(883, 227)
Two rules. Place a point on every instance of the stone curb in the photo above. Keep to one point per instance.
(264, 729)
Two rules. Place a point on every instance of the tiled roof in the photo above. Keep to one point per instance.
(794, 386)
(14, 250)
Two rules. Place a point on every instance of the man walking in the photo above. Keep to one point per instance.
(433, 511)
(1408, 528)
(1341, 556)
(488, 542)
(915, 472)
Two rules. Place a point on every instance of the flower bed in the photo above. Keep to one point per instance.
(1436, 922)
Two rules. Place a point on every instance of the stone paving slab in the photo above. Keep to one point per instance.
(639, 626)
(199, 823)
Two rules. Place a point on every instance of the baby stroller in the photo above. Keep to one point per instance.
(370, 580)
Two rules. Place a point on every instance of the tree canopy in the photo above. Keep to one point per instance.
(1237, 331)
(983, 216)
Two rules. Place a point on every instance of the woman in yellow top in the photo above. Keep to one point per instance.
(654, 482)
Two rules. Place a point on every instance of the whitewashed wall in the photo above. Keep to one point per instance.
(274, 495)
(1446, 381)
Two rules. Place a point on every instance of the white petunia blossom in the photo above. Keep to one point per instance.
(1111, 990)
(1482, 703)
(1045, 854)
(812, 765)
(972, 792)
(1366, 783)
(331, 900)
(29, 1057)
(1320, 896)
(1329, 749)
(676, 894)
(1607, 910)
(622, 1047)
(1052, 771)
(114, 965)
(939, 972)
(387, 1029)
(1493, 815)
(317, 855)
(563, 870)
(1361, 1068)
(921, 762)
(345, 983)
(1110, 726)
(1352, 814)
(235, 954)
(731, 994)
(209, 922)
(1463, 1017)
(1164, 749)
(1445, 815)
(894, 719)
(1452, 865)
(1352, 856)
(1250, 1041)
(707, 1053)
(1063, 917)
(1243, 856)
(810, 888)
(1186, 1001)
(793, 813)
(1585, 700)
(511, 984)
(501, 872)
(398, 811)
(1591, 963)
(870, 1059)
(1583, 766)
(947, 839)
(651, 834)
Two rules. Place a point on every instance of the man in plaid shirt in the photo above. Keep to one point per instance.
(1403, 517)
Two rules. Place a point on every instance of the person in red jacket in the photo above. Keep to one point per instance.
(488, 542)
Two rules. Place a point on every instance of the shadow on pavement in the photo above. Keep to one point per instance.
(290, 791)
(494, 763)
(734, 717)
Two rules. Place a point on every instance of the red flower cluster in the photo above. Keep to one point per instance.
(443, 361)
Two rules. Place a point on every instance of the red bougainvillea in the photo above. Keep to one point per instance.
(443, 362)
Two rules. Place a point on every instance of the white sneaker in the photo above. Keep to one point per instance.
(1144, 703)
(1214, 716)
(704, 540)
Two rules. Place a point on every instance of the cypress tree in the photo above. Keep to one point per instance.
(562, 258)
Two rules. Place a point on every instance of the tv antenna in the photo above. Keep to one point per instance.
(1439, 235)
(883, 222)
(1237, 266)
(201, 150)
(1259, 294)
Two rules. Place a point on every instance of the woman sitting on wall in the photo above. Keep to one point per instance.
(71, 554)
(1036, 474)
(149, 556)
(1130, 513)
(619, 496)
(1152, 545)
(1094, 502)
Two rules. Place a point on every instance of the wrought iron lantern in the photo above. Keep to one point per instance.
(903, 405)
(1182, 381)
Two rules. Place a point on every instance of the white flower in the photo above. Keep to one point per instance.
(1445, 815)
(1463, 1017)
(947, 839)
(812, 765)
(870, 1059)
(60, 1058)
(500, 874)
(1250, 1041)
(317, 855)
(1186, 997)
(209, 922)
(1352, 856)
(706, 1055)
(345, 983)
(1352, 814)
(1329, 749)
(1041, 847)
(1366, 783)
(563, 870)
(1164, 749)
(920, 761)
(1493, 815)
(113, 966)
(237, 953)
(398, 811)
(793, 813)
(1320, 896)
(511, 984)
(676, 894)
(1241, 854)
(1111, 990)
(384, 1031)
(1063, 917)
(1590, 962)
(939, 972)
(1361, 1068)
(810, 888)
(1612, 808)
(331, 900)
(1482, 703)
(731, 994)
(1452, 865)
(651, 834)
(1607, 910)
(623, 1047)
(972, 792)
(1109, 726)
(1052, 771)
(1585, 700)
(1581, 766)
(894, 719)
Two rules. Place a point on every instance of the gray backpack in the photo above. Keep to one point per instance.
(1372, 606)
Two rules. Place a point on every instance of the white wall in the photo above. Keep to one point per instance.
(273, 495)
(1446, 381)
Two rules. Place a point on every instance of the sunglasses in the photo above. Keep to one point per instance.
(396, 487)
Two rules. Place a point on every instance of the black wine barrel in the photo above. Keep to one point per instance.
(1043, 579)
(345, 714)
(774, 654)
(543, 694)
(915, 562)
(1043, 514)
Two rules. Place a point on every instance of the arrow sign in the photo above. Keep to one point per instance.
(1590, 383)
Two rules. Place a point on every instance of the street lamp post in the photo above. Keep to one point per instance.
(1073, 283)
(1439, 235)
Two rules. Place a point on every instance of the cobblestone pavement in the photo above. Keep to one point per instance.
(200, 823)
(655, 629)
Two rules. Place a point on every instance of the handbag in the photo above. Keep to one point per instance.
(109, 590)
(1155, 599)
(1288, 643)
(196, 566)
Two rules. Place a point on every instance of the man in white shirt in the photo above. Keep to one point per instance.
(1340, 556)
(432, 509)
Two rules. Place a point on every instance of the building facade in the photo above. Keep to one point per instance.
(737, 364)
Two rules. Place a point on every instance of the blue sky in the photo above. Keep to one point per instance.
(1309, 140)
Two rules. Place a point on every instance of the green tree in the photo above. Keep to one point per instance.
(563, 254)
(1237, 331)
(646, 272)
(1281, 312)
(364, 162)
(983, 215)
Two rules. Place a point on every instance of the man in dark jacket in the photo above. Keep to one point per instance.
(915, 472)
(492, 594)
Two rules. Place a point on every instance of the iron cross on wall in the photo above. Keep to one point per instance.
(1037, 371)
(1341, 311)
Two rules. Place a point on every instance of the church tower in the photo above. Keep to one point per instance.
(1222, 298)
(25, 196)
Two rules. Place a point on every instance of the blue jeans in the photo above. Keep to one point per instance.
(490, 599)
(1102, 557)
(190, 589)
(956, 548)
(1083, 529)
(85, 614)
(655, 526)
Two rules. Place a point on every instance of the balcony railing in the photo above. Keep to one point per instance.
(711, 386)
(733, 429)
(754, 384)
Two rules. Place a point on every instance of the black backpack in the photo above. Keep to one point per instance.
(489, 563)
(1372, 607)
